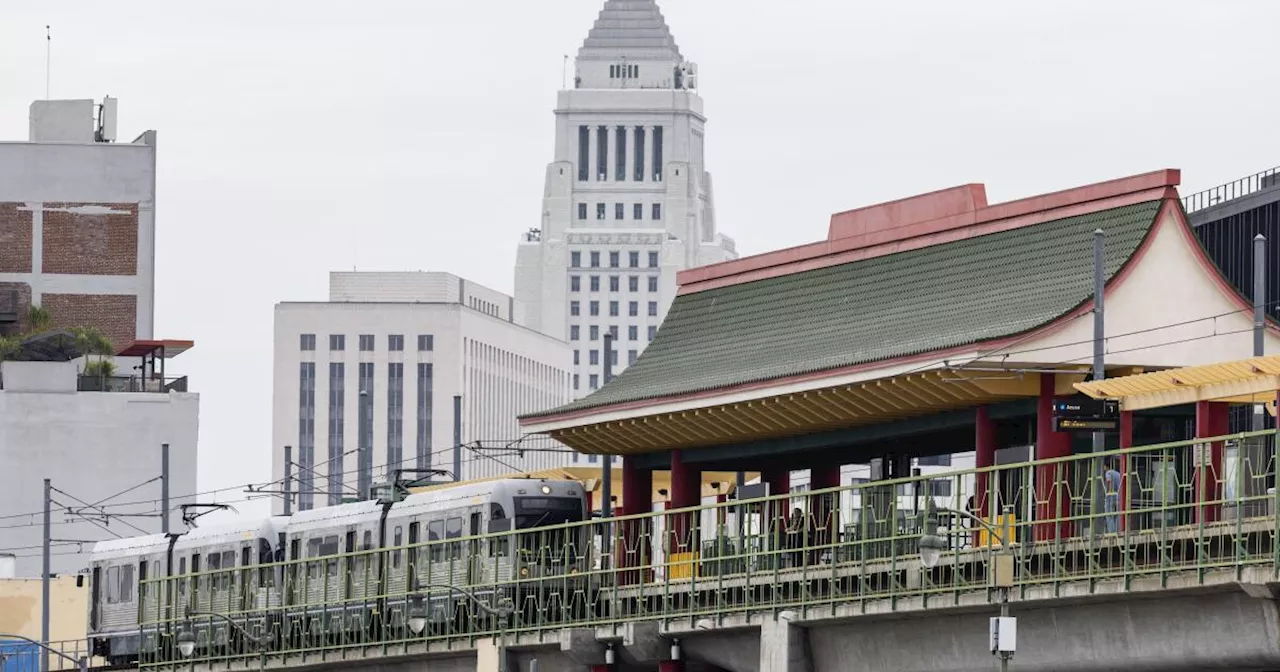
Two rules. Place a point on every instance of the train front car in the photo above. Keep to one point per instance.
(118, 604)
(543, 543)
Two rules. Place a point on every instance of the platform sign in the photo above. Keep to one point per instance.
(1086, 415)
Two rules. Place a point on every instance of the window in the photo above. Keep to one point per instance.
(595, 382)
(395, 415)
(633, 308)
(595, 308)
(633, 283)
(653, 309)
(582, 213)
(595, 283)
(632, 355)
(337, 342)
(575, 381)
(653, 331)
(453, 530)
(613, 283)
(577, 357)
(575, 258)
(613, 259)
(653, 283)
(633, 332)
(366, 343)
(584, 152)
(575, 283)
(426, 393)
(618, 210)
(595, 358)
(575, 308)
(613, 308)
(595, 333)
(934, 461)
(599, 210)
(308, 343)
(435, 532)
(657, 211)
(613, 356)
(613, 332)
(426, 343)
(395, 343)
(940, 487)
(653, 260)
(113, 585)
(637, 212)
(633, 258)
(595, 260)
(573, 332)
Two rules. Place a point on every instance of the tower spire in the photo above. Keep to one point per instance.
(634, 30)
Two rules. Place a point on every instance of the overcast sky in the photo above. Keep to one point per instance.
(298, 137)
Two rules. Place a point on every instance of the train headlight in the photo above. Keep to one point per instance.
(546, 489)
(186, 641)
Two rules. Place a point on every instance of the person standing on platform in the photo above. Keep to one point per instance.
(1111, 489)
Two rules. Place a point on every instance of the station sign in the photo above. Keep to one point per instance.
(1082, 414)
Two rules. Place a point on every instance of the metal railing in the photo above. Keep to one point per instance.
(1186, 508)
(1231, 190)
(18, 655)
(92, 383)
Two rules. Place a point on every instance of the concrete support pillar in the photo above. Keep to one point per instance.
(1212, 419)
(1052, 491)
(637, 500)
(686, 491)
(783, 646)
(489, 654)
(1126, 441)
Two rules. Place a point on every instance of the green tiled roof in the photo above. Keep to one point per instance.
(953, 294)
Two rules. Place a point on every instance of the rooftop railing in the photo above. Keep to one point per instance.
(1231, 190)
(1192, 510)
(92, 383)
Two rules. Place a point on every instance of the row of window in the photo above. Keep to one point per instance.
(938, 487)
(624, 71)
(641, 144)
(633, 332)
(615, 284)
(615, 259)
(395, 342)
(593, 307)
(620, 209)
(593, 357)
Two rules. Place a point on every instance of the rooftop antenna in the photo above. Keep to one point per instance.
(564, 73)
(48, 55)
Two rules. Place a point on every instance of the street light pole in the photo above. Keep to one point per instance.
(417, 615)
(82, 663)
(187, 637)
(1000, 570)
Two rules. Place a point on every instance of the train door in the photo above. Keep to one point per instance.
(248, 586)
(95, 600)
(197, 583)
(349, 566)
(475, 559)
(291, 574)
(143, 590)
(414, 561)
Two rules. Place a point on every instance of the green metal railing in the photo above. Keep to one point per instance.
(1187, 508)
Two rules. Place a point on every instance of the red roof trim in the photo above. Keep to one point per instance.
(142, 348)
(880, 235)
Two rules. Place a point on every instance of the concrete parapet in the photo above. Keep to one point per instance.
(784, 645)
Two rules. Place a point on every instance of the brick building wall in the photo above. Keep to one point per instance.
(15, 238)
(90, 238)
(114, 314)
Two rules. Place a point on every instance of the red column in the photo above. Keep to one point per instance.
(1126, 441)
(1212, 419)
(637, 499)
(686, 491)
(1052, 497)
(984, 445)
(776, 513)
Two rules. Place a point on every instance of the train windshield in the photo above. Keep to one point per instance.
(544, 511)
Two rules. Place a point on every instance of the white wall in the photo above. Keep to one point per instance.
(92, 445)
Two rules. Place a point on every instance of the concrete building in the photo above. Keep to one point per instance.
(628, 200)
(93, 446)
(20, 608)
(379, 366)
(77, 221)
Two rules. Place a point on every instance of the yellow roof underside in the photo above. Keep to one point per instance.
(1253, 380)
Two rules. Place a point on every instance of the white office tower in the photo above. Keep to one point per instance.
(394, 368)
(628, 201)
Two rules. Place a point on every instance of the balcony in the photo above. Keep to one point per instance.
(156, 384)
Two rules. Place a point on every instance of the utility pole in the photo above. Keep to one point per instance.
(457, 437)
(44, 577)
(288, 480)
(1099, 365)
(606, 473)
(1259, 311)
(164, 488)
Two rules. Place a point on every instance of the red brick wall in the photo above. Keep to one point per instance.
(91, 244)
(115, 314)
(15, 238)
(24, 301)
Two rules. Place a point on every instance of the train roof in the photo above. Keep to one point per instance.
(241, 529)
(130, 547)
(328, 517)
(437, 498)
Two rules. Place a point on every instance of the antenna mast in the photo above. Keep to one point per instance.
(48, 55)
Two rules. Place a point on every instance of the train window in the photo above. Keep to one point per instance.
(113, 585)
(182, 571)
(214, 565)
(228, 563)
(313, 551)
(417, 552)
(126, 583)
(435, 532)
(357, 561)
(395, 555)
(245, 558)
(368, 541)
(329, 548)
(142, 579)
(453, 530)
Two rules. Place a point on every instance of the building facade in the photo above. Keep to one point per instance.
(92, 446)
(628, 200)
(383, 366)
(77, 222)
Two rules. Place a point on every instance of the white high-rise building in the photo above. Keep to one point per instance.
(628, 200)
(381, 368)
